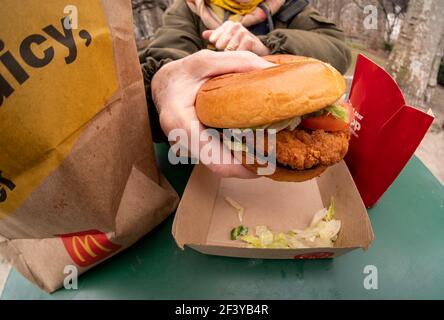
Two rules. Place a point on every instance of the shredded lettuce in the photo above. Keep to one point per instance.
(279, 241)
(240, 210)
(319, 216)
(252, 241)
(331, 210)
(336, 110)
(322, 233)
(237, 232)
(265, 236)
(289, 124)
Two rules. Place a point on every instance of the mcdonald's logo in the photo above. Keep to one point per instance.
(88, 247)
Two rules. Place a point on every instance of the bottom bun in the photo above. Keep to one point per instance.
(284, 174)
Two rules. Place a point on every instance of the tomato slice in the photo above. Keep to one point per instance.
(328, 122)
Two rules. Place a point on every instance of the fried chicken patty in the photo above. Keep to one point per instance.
(302, 149)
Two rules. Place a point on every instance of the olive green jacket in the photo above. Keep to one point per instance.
(307, 34)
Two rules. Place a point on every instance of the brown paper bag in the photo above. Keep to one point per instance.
(78, 180)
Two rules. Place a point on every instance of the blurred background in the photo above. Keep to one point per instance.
(405, 37)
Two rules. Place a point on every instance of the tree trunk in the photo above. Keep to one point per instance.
(349, 16)
(413, 60)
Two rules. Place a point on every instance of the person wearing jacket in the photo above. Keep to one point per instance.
(259, 27)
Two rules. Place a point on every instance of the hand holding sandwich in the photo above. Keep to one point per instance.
(175, 86)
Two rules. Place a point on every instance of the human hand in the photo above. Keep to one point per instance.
(233, 36)
(175, 86)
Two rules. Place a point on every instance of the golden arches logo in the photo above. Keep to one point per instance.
(88, 247)
(85, 244)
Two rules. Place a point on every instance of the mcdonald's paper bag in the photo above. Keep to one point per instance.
(386, 131)
(78, 180)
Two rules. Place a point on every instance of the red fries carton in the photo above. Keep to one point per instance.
(386, 131)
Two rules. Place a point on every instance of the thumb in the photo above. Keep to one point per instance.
(207, 34)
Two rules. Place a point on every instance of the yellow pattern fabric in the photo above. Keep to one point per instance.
(238, 8)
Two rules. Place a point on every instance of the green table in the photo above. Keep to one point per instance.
(408, 252)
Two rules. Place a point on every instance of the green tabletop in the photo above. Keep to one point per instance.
(408, 252)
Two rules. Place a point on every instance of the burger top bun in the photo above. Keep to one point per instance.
(286, 58)
(298, 86)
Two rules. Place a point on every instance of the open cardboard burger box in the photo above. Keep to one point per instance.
(204, 219)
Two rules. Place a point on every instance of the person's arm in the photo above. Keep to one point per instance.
(310, 34)
(177, 38)
(174, 90)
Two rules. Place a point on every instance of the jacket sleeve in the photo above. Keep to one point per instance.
(177, 38)
(310, 34)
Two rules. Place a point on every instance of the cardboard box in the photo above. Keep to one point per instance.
(204, 219)
(386, 131)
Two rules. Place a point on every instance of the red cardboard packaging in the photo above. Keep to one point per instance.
(386, 131)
